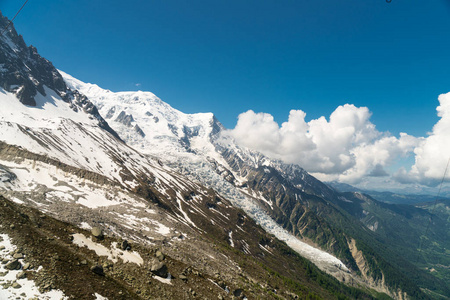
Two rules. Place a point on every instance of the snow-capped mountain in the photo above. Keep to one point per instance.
(143, 121)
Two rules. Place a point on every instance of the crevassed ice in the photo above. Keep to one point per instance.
(208, 177)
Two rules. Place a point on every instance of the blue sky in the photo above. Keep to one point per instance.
(271, 56)
(228, 57)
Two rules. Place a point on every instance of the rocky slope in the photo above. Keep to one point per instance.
(48, 259)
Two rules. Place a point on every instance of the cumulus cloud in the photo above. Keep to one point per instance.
(432, 153)
(378, 171)
(347, 147)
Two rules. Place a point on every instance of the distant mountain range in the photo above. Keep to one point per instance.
(206, 216)
(390, 197)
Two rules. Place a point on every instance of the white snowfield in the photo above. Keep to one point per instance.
(113, 253)
(184, 142)
(28, 288)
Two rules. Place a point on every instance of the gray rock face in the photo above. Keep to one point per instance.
(110, 113)
(159, 268)
(125, 119)
(6, 175)
(191, 131)
(139, 131)
(25, 73)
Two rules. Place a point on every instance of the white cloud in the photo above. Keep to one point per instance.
(347, 147)
(432, 154)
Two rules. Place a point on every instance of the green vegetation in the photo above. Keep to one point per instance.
(394, 245)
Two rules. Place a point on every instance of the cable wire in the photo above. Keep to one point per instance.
(10, 22)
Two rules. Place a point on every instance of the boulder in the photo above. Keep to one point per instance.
(97, 232)
(159, 268)
(239, 293)
(13, 265)
(183, 277)
(15, 285)
(159, 255)
(125, 245)
(98, 270)
(21, 275)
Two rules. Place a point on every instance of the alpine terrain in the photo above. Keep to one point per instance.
(109, 195)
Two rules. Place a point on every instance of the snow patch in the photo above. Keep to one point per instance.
(112, 254)
(84, 225)
(99, 297)
(163, 280)
(230, 235)
(163, 229)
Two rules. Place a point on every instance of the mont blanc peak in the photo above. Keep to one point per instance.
(143, 120)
